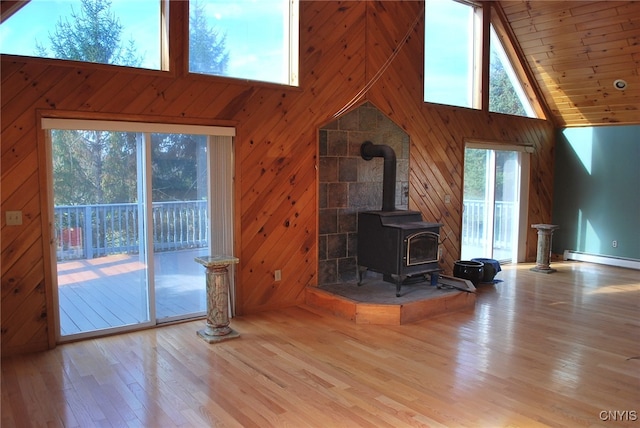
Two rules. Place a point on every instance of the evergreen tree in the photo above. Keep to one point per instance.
(475, 165)
(175, 166)
(207, 53)
(96, 167)
(72, 182)
(93, 35)
(502, 96)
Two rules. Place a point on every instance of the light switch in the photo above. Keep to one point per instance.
(14, 218)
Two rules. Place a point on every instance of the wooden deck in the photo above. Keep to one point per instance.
(111, 291)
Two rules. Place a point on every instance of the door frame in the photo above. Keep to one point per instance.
(524, 162)
(220, 146)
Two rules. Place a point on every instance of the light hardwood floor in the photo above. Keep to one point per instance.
(537, 350)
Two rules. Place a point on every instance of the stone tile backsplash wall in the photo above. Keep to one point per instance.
(349, 184)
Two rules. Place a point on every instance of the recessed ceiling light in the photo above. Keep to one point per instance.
(620, 84)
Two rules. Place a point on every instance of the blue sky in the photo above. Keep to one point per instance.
(253, 28)
(448, 30)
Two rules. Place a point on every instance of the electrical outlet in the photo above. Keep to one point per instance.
(277, 275)
(14, 218)
(614, 244)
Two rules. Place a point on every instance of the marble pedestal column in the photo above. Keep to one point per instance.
(543, 256)
(217, 327)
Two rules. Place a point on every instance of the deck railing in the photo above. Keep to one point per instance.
(473, 228)
(88, 231)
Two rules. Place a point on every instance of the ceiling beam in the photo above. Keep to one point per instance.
(9, 7)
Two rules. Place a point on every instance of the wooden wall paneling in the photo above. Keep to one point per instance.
(279, 158)
(61, 90)
(25, 200)
(24, 238)
(85, 84)
(279, 211)
(198, 100)
(21, 251)
(276, 183)
(131, 92)
(257, 181)
(449, 215)
(434, 186)
(100, 95)
(19, 280)
(264, 191)
(14, 154)
(176, 94)
(294, 268)
(13, 291)
(266, 115)
(9, 70)
(335, 80)
(331, 54)
(275, 148)
(31, 96)
(235, 107)
(151, 90)
(23, 314)
(210, 103)
(178, 42)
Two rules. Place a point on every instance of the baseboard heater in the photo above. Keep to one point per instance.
(604, 260)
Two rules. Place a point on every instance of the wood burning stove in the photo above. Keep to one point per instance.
(395, 243)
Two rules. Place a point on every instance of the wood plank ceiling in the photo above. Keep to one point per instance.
(576, 50)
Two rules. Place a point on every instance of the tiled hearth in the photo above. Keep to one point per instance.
(349, 184)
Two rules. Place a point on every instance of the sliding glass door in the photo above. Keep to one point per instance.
(180, 223)
(102, 263)
(491, 212)
(131, 212)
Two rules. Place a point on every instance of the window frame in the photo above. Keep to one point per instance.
(473, 47)
(221, 205)
(517, 60)
(163, 42)
(487, 15)
(291, 38)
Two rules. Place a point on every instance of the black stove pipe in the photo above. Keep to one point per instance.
(368, 151)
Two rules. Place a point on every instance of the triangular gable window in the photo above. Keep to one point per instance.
(506, 94)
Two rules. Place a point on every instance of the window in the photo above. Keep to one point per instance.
(505, 92)
(120, 32)
(451, 61)
(453, 70)
(245, 39)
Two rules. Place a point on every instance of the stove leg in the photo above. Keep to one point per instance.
(399, 280)
(361, 272)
